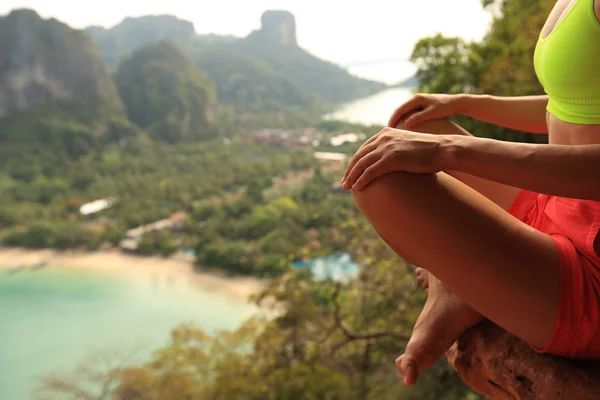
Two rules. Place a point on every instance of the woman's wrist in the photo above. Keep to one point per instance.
(454, 149)
(463, 103)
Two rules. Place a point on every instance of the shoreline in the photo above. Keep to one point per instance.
(118, 263)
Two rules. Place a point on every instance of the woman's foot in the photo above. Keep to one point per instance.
(443, 320)
(422, 277)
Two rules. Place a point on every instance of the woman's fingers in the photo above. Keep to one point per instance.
(359, 168)
(365, 149)
(377, 169)
(420, 117)
(413, 104)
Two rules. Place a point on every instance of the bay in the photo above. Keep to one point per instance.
(372, 110)
(53, 319)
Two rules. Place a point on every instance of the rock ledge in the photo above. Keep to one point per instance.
(502, 367)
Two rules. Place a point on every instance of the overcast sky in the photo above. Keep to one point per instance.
(341, 31)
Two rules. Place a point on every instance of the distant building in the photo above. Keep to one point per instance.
(155, 226)
(131, 242)
(286, 138)
(97, 206)
(326, 156)
(346, 138)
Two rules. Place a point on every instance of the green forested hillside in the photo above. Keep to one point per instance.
(134, 33)
(56, 96)
(166, 94)
(329, 82)
(247, 83)
(257, 73)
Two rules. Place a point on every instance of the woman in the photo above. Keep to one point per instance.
(504, 231)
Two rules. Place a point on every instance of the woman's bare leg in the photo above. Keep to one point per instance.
(501, 194)
(443, 301)
(501, 267)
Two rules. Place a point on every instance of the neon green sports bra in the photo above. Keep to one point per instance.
(567, 63)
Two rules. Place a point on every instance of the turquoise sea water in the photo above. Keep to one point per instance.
(373, 110)
(53, 319)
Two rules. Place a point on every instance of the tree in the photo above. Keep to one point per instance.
(316, 340)
(157, 242)
(446, 65)
(119, 128)
(502, 64)
(254, 192)
(39, 235)
(96, 378)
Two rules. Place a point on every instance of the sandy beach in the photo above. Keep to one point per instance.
(155, 268)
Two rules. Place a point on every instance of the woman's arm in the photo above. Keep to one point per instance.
(560, 170)
(524, 113)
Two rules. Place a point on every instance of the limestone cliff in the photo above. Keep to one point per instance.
(279, 27)
(46, 61)
(275, 44)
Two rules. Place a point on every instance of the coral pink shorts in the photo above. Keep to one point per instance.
(573, 225)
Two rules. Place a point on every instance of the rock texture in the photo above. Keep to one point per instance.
(502, 367)
(280, 27)
(42, 60)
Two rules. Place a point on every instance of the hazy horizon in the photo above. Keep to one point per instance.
(374, 31)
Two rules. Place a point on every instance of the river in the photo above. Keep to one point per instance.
(373, 110)
(377, 109)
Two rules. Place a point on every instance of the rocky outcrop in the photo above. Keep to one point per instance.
(275, 44)
(502, 367)
(279, 27)
(134, 33)
(45, 60)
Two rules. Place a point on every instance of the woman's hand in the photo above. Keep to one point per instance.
(431, 106)
(395, 150)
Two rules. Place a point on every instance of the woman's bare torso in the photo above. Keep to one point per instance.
(561, 132)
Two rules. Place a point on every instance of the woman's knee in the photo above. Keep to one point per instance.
(392, 189)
